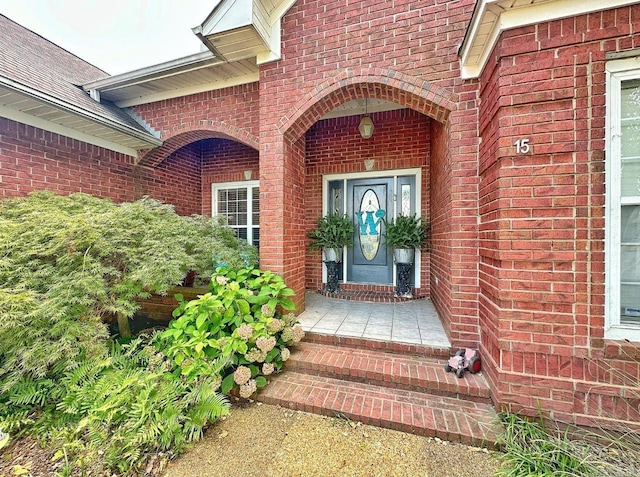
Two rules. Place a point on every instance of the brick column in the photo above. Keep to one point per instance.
(282, 236)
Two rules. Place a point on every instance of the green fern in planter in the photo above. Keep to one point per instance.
(406, 232)
(332, 231)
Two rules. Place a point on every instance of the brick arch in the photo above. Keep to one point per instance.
(409, 91)
(183, 136)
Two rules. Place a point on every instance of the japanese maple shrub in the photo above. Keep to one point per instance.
(66, 263)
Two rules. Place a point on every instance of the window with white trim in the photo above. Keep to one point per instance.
(622, 229)
(239, 203)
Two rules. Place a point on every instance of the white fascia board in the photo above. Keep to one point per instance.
(274, 45)
(55, 128)
(517, 17)
(201, 88)
(162, 70)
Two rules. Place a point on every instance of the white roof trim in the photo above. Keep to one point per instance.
(255, 19)
(162, 70)
(492, 17)
(66, 131)
(178, 93)
(145, 138)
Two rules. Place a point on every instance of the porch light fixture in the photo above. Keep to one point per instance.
(366, 124)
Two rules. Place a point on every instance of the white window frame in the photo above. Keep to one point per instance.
(617, 71)
(249, 185)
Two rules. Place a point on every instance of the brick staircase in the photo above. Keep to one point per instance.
(393, 385)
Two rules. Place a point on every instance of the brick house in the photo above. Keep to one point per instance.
(501, 121)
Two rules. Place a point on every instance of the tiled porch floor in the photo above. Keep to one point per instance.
(414, 322)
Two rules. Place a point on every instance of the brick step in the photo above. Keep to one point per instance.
(413, 373)
(430, 415)
(373, 344)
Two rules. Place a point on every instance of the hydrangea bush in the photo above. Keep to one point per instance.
(245, 317)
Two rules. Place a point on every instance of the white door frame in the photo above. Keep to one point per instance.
(417, 172)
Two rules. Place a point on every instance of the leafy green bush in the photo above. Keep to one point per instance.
(66, 263)
(240, 318)
(118, 411)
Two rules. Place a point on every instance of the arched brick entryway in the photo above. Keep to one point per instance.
(184, 135)
(284, 180)
(408, 91)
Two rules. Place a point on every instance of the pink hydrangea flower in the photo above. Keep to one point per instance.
(245, 331)
(266, 344)
(247, 389)
(287, 334)
(275, 325)
(267, 369)
(255, 355)
(267, 311)
(241, 375)
(298, 333)
(285, 353)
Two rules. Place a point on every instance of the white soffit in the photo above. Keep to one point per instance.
(492, 17)
(28, 107)
(239, 29)
(181, 77)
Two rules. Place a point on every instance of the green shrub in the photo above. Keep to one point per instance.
(67, 263)
(240, 318)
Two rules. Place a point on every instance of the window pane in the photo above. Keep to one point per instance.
(222, 202)
(630, 304)
(234, 204)
(255, 204)
(256, 237)
(630, 264)
(630, 177)
(406, 199)
(630, 127)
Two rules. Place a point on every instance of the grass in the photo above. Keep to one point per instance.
(530, 450)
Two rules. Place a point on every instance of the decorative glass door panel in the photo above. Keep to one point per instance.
(369, 201)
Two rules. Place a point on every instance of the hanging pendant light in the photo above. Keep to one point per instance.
(366, 124)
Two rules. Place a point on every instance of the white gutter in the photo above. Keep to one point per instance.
(159, 71)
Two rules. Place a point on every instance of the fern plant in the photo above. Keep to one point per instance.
(406, 232)
(120, 410)
(332, 231)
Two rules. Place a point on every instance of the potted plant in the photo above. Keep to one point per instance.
(332, 234)
(404, 235)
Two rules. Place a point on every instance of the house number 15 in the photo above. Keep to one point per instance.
(522, 146)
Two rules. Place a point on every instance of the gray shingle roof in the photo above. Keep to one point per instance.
(34, 62)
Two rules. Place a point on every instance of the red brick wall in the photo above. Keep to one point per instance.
(33, 159)
(441, 223)
(405, 52)
(230, 113)
(334, 146)
(542, 230)
(225, 161)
